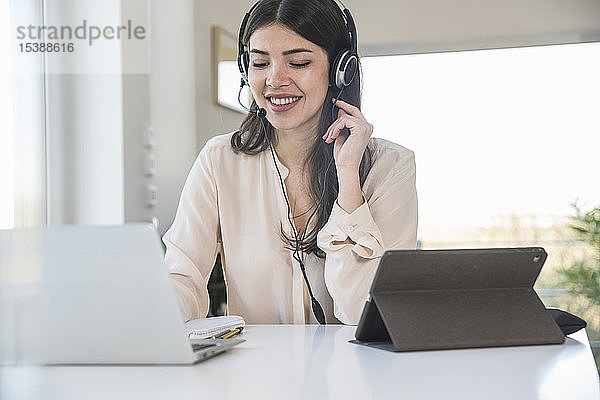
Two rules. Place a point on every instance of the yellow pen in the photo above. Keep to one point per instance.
(231, 333)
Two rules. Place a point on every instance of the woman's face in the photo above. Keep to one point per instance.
(288, 76)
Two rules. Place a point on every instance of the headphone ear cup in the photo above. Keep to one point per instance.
(351, 64)
(344, 69)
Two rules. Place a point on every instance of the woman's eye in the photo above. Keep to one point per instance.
(256, 64)
(300, 65)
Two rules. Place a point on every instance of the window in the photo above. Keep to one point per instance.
(22, 121)
(505, 140)
(6, 124)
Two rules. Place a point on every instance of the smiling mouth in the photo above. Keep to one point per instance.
(283, 101)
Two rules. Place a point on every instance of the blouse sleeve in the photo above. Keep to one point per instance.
(386, 221)
(192, 240)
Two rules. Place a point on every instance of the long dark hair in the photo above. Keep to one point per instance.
(322, 23)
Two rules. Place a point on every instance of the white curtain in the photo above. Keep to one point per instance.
(7, 181)
(22, 142)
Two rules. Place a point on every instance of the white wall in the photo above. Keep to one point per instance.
(173, 105)
(135, 103)
(96, 120)
(213, 119)
(389, 27)
(84, 126)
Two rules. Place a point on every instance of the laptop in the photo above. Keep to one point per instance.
(92, 295)
(459, 298)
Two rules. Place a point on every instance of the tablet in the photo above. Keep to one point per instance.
(460, 298)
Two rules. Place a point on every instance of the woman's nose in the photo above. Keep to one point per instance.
(277, 76)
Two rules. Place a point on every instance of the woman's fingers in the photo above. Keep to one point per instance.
(328, 134)
(345, 121)
(328, 137)
(347, 107)
(349, 117)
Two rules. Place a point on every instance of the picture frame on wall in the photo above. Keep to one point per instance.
(226, 75)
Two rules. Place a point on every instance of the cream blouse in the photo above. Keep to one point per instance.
(234, 202)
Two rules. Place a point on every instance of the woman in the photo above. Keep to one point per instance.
(297, 232)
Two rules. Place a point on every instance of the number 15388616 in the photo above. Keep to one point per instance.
(42, 47)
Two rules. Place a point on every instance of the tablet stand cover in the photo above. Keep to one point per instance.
(451, 299)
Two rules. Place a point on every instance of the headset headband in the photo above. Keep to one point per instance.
(351, 29)
(342, 69)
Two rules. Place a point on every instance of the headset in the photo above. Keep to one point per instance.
(343, 69)
(342, 73)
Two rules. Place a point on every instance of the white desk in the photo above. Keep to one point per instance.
(311, 362)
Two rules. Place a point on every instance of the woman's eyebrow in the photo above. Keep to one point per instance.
(285, 53)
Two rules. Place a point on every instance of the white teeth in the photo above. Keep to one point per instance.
(283, 101)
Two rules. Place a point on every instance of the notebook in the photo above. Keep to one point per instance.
(203, 328)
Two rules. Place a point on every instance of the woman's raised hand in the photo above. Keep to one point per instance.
(348, 149)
